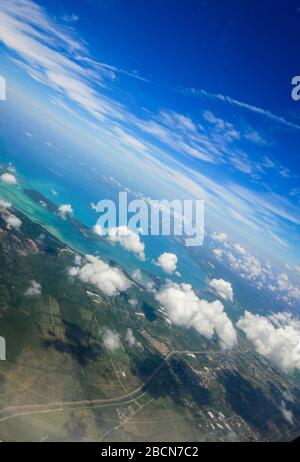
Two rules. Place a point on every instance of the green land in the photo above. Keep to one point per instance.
(59, 383)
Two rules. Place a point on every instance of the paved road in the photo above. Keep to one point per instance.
(12, 412)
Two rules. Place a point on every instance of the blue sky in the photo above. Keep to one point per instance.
(196, 96)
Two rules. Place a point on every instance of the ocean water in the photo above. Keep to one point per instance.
(63, 175)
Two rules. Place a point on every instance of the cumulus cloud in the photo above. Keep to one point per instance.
(77, 260)
(137, 276)
(218, 253)
(52, 55)
(223, 288)
(34, 289)
(247, 265)
(276, 337)
(259, 274)
(111, 340)
(64, 210)
(243, 262)
(185, 308)
(12, 221)
(128, 239)
(240, 249)
(4, 205)
(111, 281)
(8, 178)
(130, 338)
(168, 262)
(73, 271)
(219, 237)
(283, 285)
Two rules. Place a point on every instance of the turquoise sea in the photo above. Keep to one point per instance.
(66, 175)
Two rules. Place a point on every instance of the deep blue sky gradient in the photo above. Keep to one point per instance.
(185, 54)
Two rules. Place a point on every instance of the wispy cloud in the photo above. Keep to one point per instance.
(55, 56)
(70, 18)
(249, 107)
(163, 143)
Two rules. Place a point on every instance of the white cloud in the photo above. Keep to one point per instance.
(77, 260)
(137, 276)
(8, 178)
(288, 415)
(64, 210)
(218, 253)
(12, 221)
(227, 99)
(282, 284)
(279, 241)
(4, 205)
(34, 289)
(168, 262)
(246, 264)
(260, 274)
(133, 302)
(70, 18)
(130, 338)
(127, 239)
(131, 141)
(227, 129)
(185, 308)
(240, 249)
(73, 271)
(111, 281)
(181, 134)
(276, 337)
(54, 56)
(223, 288)
(111, 340)
(219, 237)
